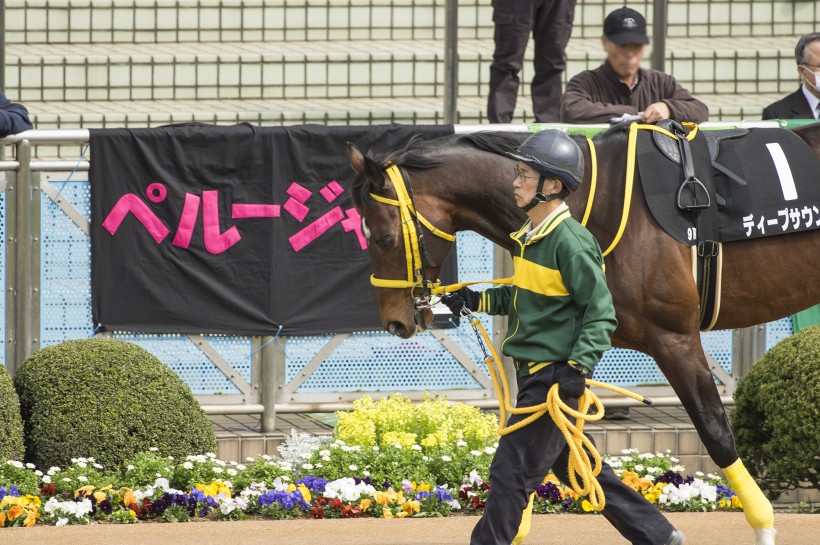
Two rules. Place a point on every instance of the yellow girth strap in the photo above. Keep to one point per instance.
(409, 234)
(631, 152)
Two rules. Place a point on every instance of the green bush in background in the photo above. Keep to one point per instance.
(777, 415)
(109, 400)
(11, 429)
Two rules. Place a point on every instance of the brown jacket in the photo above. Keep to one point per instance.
(596, 96)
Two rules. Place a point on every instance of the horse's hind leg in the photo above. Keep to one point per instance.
(681, 358)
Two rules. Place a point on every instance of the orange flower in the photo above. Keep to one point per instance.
(365, 504)
(2, 519)
(15, 512)
(84, 490)
(129, 497)
(31, 518)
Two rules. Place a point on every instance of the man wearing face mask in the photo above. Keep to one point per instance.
(620, 88)
(805, 102)
(561, 318)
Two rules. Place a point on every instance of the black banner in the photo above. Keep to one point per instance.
(232, 229)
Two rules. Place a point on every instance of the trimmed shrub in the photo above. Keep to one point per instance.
(109, 400)
(777, 415)
(11, 431)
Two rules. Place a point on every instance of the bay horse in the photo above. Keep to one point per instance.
(464, 182)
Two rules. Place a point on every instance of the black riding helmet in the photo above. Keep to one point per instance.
(554, 155)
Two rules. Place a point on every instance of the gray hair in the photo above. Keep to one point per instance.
(805, 40)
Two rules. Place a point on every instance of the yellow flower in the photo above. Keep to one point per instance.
(736, 503)
(31, 500)
(305, 492)
(411, 507)
(31, 518)
(130, 497)
(586, 506)
(99, 496)
(423, 487)
(365, 504)
(2, 519)
(386, 513)
(84, 490)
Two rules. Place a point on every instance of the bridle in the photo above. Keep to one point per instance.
(415, 250)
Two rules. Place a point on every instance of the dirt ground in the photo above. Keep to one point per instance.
(700, 529)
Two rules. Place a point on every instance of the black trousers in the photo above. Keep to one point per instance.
(524, 458)
(550, 22)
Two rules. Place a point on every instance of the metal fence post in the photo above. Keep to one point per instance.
(659, 19)
(27, 258)
(11, 272)
(748, 346)
(451, 62)
(272, 379)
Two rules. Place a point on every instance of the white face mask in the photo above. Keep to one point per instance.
(816, 85)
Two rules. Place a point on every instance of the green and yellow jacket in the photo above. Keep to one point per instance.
(559, 305)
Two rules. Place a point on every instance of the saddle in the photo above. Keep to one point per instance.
(670, 148)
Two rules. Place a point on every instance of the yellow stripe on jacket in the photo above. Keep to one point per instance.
(538, 278)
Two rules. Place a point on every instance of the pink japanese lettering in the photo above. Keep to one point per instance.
(316, 229)
(187, 222)
(130, 203)
(216, 242)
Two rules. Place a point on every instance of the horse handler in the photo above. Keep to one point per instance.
(561, 319)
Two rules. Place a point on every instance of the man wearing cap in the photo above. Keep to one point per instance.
(561, 319)
(550, 22)
(620, 88)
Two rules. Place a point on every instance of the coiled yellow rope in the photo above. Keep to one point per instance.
(582, 471)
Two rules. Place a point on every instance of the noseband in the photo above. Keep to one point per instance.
(415, 251)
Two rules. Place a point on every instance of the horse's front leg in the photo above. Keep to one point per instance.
(682, 360)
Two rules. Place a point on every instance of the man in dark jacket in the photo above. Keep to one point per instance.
(805, 102)
(620, 87)
(13, 117)
(550, 22)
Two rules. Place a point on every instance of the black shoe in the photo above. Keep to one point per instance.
(616, 413)
(677, 538)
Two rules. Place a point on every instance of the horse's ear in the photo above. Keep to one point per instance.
(356, 158)
(361, 163)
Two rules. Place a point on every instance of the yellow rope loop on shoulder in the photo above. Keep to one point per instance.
(583, 470)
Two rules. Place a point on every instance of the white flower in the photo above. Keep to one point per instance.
(366, 473)
(82, 479)
(489, 450)
(153, 449)
(232, 472)
(38, 473)
(66, 480)
(61, 522)
(353, 467)
(638, 468)
(416, 447)
(98, 466)
(187, 465)
(673, 460)
(217, 470)
(250, 459)
(163, 484)
(376, 448)
(318, 465)
(325, 458)
(241, 467)
(475, 452)
(446, 459)
(324, 452)
(15, 463)
(397, 445)
(130, 467)
(425, 458)
(210, 455)
(347, 490)
(307, 466)
(699, 473)
(47, 479)
(30, 466)
(461, 444)
(475, 479)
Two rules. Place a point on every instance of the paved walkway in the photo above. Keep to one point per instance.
(700, 528)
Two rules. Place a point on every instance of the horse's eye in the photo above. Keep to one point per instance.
(388, 242)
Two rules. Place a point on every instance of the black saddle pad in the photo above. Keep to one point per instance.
(781, 193)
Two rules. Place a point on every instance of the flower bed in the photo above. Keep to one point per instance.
(433, 463)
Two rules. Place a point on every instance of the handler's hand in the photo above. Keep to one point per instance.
(457, 301)
(655, 112)
(571, 382)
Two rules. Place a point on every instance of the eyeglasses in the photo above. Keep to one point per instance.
(520, 174)
(807, 65)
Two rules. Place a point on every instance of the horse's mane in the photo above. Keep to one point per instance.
(424, 154)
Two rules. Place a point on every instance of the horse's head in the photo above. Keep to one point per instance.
(404, 307)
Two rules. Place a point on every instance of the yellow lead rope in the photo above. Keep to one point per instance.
(582, 471)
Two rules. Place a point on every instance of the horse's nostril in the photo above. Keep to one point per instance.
(395, 328)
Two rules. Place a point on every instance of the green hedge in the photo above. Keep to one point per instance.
(108, 400)
(777, 415)
(11, 430)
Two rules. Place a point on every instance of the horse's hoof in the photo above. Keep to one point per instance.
(677, 538)
(764, 536)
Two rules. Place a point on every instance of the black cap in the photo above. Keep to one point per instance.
(625, 26)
